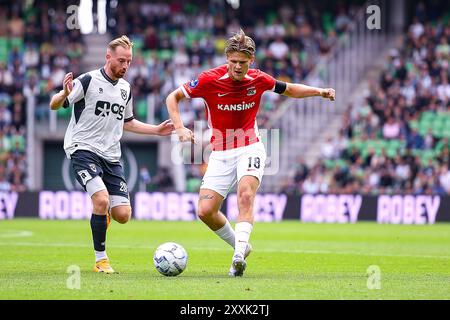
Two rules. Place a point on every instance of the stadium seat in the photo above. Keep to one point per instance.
(193, 184)
(141, 110)
(164, 54)
(414, 124)
(16, 42)
(427, 116)
(64, 113)
(190, 37)
(3, 49)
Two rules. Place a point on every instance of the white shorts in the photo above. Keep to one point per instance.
(226, 168)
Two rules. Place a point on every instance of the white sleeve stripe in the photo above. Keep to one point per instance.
(184, 91)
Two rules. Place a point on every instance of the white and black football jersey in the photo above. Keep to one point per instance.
(100, 108)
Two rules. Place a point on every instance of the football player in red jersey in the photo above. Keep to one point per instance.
(232, 95)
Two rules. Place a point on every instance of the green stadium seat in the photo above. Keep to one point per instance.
(16, 42)
(328, 163)
(438, 130)
(260, 54)
(138, 44)
(439, 120)
(327, 22)
(427, 116)
(147, 54)
(340, 163)
(64, 113)
(424, 126)
(446, 132)
(414, 124)
(190, 37)
(391, 152)
(193, 184)
(165, 54)
(190, 8)
(270, 17)
(427, 154)
(395, 144)
(141, 110)
(3, 49)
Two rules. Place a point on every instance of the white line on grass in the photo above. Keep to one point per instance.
(15, 234)
(121, 246)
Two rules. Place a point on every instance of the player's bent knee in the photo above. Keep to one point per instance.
(122, 214)
(205, 211)
(122, 219)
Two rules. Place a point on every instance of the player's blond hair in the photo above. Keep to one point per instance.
(122, 41)
(240, 43)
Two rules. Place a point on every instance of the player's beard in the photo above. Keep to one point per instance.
(118, 72)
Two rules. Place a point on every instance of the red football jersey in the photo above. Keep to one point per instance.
(231, 106)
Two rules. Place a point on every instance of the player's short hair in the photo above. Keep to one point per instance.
(240, 43)
(122, 41)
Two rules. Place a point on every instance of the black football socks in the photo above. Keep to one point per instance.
(98, 226)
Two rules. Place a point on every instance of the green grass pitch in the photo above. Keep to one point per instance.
(290, 260)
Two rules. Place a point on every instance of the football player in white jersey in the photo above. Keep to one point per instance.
(102, 109)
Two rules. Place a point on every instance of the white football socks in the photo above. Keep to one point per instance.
(226, 233)
(99, 255)
(242, 236)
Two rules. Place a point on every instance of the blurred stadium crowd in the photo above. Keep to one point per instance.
(398, 141)
(36, 49)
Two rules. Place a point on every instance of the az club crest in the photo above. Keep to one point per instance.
(124, 94)
(251, 91)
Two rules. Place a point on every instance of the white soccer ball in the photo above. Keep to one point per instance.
(170, 259)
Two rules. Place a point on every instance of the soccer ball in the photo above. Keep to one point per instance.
(170, 259)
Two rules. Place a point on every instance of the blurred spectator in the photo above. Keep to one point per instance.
(4, 183)
(144, 178)
(391, 129)
(328, 150)
(162, 181)
(444, 178)
(415, 140)
(278, 49)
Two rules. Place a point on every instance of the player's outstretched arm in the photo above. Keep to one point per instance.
(165, 128)
(297, 90)
(172, 101)
(58, 99)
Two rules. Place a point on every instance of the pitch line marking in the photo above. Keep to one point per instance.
(15, 234)
(76, 245)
